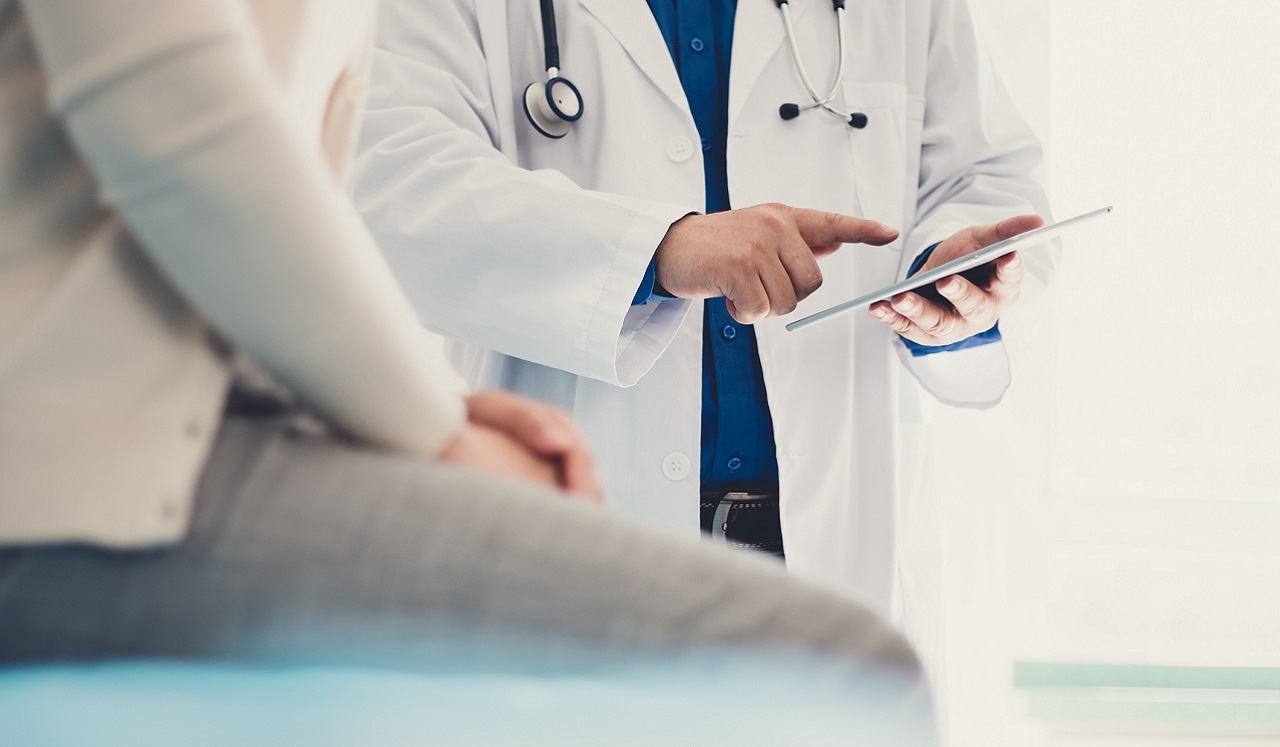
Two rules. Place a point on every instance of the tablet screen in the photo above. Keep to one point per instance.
(969, 262)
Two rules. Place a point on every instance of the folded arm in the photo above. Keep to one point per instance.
(174, 109)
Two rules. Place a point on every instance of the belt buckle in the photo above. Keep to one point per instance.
(720, 521)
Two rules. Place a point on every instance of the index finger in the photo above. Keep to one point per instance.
(819, 228)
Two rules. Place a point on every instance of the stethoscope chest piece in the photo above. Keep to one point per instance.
(552, 107)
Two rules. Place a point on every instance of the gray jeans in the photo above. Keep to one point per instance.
(305, 548)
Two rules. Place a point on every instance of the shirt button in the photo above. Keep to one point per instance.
(675, 466)
(679, 149)
(695, 44)
(733, 464)
(706, 145)
(729, 332)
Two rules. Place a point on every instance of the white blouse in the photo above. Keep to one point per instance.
(164, 187)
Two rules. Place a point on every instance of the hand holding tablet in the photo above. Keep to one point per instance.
(969, 261)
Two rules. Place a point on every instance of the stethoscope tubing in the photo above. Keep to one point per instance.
(550, 39)
(818, 100)
(551, 56)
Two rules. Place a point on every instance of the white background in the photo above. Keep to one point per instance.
(1123, 504)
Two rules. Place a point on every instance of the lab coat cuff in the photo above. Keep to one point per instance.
(920, 260)
(982, 338)
(644, 294)
(649, 289)
(975, 377)
(635, 334)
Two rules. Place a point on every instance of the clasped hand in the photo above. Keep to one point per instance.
(515, 437)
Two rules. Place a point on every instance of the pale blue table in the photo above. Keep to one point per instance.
(161, 703)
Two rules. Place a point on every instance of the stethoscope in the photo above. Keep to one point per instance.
(552, 107)
(856, 120)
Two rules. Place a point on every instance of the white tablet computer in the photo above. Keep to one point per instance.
(960, 264)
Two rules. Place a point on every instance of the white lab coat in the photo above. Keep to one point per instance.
(530, 249)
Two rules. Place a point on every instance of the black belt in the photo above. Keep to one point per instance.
(291, 416)
(743, 520)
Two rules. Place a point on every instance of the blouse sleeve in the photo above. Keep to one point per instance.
(173, 107)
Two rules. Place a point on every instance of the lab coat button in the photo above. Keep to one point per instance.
(675, 466)
(733, 464)
(679, 149)
(729, 332)
(696, 44)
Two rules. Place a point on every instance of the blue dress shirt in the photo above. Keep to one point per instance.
(738, 449)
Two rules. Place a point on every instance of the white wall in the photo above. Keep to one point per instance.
(1169, 109)
(1124, 503)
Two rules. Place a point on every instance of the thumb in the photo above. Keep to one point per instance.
(1005, 229)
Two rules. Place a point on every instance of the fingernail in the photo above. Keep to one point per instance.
(949, 286)
(907, 304)
(880, 313)
(1013, 263)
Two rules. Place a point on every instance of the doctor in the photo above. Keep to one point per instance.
(535, 173)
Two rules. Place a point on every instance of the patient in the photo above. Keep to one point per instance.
(172, 230)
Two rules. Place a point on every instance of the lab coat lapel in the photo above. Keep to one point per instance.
(757, 33)
(632, 24)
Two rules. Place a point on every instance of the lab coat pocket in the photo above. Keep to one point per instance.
(880, 150)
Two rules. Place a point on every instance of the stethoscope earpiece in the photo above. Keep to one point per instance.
(856, 120)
